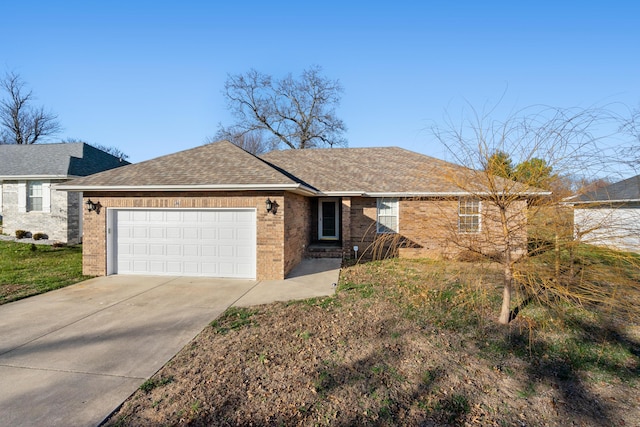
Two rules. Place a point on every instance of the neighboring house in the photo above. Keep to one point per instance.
(609, 216)
(29, 175)
(219, 211)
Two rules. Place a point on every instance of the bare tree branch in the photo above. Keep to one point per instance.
(550, 146)
(252, 141)
(20, 122)
(296, 113)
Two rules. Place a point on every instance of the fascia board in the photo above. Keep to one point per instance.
(34, 177)
(450, 194)
(296, 188)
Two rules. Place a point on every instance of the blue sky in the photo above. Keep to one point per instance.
(147, 76)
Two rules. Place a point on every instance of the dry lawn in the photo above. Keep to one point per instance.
(409, 343)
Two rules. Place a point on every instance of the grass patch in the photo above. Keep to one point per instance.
(153, 383)
(234, 318)
(561, 339)
(27, 270)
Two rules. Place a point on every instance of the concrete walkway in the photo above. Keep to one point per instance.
(70, 357)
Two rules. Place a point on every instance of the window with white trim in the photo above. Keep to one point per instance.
(34, 196)
(469, 215)
(387, 216)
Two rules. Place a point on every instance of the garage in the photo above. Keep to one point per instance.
(182, 242)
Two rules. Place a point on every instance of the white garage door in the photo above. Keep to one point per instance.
(213, 243)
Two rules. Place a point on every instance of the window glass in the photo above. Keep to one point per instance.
(35, 196)
(387, 213)
(469, 215)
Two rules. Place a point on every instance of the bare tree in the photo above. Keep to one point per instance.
(295, 113)
(631, 152)
(21, 122)
(253, 142)
(548, 144)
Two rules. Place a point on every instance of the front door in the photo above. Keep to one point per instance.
(328, 219)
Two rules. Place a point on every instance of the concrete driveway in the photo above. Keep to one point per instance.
(71, 356)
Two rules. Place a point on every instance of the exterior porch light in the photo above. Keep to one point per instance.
(269, 204)
(91, 206)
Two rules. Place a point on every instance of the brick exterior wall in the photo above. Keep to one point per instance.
(270, 261)
(429, 228)
(61, 224)
(297, 231)
(345, 228)
(362, 213)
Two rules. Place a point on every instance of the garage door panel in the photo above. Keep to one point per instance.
(217, 243)
(209, 216)
(190, 250)
(173, 267)
(173, 233)
(243, 234)
(157, 266)
(140, 265)
(124, 249)
(189, 233)
(140, 232)
(173, 216)
(244, 251)
(156, 233)
(209, 251)
(138, 216)
(209, 233)
(156, 250)
(156, 215)
(140, 249)
(174, 250)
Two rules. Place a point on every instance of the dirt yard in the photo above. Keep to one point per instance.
(359, 358)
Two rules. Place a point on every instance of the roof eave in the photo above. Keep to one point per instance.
(294, 188)
(599, 202)
(451, 194)
(34, 177)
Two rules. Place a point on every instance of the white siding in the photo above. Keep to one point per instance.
(617, 228)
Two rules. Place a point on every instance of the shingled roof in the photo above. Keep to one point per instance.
(220, 165)
(54, 160)
(627, 190)
(374, 172)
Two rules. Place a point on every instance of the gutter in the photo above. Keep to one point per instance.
(35, 177)
(294, 188)
(599, 202)
(452, 194)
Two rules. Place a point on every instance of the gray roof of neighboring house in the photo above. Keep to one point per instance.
(225, 166)
(627, 190)
(55, 160)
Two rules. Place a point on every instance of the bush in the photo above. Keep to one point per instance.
(21, 234)
(40, 236)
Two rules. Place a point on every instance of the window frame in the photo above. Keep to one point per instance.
(383, 227)
(31, 185)
(472, 209)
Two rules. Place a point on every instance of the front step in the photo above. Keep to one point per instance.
(320, 250)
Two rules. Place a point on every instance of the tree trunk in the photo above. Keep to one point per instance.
(505, 312)
(557, 257)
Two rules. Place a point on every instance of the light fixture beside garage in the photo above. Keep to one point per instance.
(91, 206)
(272, 206)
